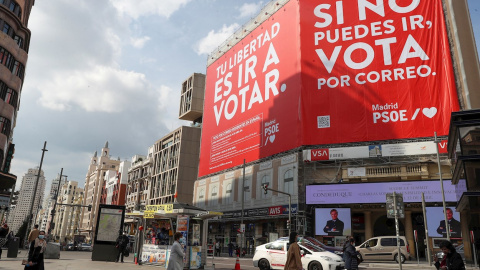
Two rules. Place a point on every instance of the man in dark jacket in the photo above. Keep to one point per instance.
(451, 259)
(121, 245)
(334, 226)
(3, 234)
(453, 224)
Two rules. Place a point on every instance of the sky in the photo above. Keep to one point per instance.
(112, 70)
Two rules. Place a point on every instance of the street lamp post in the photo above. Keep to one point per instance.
(35, 192)
(52, 224)
(447, 227)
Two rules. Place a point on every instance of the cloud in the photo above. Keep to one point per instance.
(207, 44)
(139, 42)
(97, 89)
(136, 9)
(250, 9)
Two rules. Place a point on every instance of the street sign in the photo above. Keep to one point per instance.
(148, 214)
(391, 206)
(242, 228)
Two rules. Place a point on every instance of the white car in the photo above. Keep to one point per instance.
(273, 255)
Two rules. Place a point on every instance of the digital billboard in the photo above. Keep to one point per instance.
(318, 73)
(333, 221)
(436, 222)
(376, 192)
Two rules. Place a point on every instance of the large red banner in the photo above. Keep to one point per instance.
(252, 96)
(327, 72)
(375, 70)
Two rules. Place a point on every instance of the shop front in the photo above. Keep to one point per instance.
(156, 226)
(359, 210)
(262, 225)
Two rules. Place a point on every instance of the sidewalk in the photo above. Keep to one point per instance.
(406, 265)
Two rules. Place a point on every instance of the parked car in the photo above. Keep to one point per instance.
(85, 247)
(273, 255)
(69, 247)
(459, 249)
(384, 248)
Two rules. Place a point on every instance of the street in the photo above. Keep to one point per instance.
(78, 260)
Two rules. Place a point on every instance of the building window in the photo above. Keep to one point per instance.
(229, 193)
(213, 196)
(5, 126)
(288, 181)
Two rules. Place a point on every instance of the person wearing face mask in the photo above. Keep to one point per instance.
(351, 260)
(35, 253)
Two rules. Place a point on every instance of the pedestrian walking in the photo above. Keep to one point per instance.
(3, 237)
(345, 245)
(35, 253)
(33, 234)
(351, 262)
(121, 245)
(230, 249)
(294, 258)
(176, 256)
(217, 249)
(451, 259)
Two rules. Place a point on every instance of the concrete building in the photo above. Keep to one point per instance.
(352, 177)
(175, 166)
(94, 181)
(22, 210)
(139, 175)
(114, 191)
(66, 216)
(14, 46)
(48, 203)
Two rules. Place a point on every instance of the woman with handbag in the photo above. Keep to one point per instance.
(35, 253)
(294, 259)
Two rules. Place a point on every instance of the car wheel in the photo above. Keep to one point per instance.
(402, 258)
(315, 266)
(263, 264)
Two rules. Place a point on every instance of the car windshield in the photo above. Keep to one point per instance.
(311, 247)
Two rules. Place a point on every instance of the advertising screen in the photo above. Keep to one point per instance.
(375, 70)
(328, 72)
(110, 223)
(376, 192)
(333, 221)
(436, 222)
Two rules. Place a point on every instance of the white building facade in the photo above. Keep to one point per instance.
(25, 198)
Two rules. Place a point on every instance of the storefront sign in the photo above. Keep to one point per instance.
(149, 214)
(257, 212)
(168, 208)
(384, 150)
(376, 192)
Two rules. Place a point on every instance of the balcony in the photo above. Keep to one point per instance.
(399, 172)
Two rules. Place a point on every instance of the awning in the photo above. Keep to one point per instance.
(470, 200)
(173, 210)
(7, 180)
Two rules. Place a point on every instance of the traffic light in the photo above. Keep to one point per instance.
(265, 188)
(89, 208)
(288, 224)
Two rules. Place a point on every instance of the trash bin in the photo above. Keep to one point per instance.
(13, 246)
(52, 251)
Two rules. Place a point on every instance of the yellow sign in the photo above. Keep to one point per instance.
(149, 215)
(168, 208)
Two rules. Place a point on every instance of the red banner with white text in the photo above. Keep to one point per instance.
(375, 70)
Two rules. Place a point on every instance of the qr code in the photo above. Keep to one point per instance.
(323, 121)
